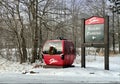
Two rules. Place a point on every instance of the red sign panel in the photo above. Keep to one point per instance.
(94, 20)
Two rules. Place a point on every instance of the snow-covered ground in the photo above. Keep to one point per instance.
(12, 72)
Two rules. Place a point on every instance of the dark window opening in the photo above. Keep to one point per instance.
(53, 47)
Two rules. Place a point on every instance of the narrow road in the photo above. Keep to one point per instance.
(40, 78)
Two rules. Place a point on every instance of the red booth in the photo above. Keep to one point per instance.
(58, 52)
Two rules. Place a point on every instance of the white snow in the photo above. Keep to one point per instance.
(12, 72)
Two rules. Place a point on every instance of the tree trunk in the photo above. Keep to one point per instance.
(119, 32)
(113, 32)
(40, 42)
(23, 47)
(23, 43)
(35, 26)
(19, 48)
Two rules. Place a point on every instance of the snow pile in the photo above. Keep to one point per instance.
(9, 66)
(12, 72)
(91, 61)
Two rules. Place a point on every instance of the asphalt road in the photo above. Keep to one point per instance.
(16, 78)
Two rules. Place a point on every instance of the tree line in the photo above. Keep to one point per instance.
(26, 24)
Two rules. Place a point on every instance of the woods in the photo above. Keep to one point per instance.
(26, 24)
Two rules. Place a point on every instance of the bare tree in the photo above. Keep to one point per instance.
(23, 42)
(32, 22)
(15, 24)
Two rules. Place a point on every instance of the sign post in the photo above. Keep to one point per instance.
(106, 42)
(95, 33)
(82, 46)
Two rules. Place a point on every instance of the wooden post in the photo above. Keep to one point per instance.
(82, 44)
(106, 40)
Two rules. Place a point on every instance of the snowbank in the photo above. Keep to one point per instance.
(10, 66)
(93, 73)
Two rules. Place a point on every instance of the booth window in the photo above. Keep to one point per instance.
(52, 47)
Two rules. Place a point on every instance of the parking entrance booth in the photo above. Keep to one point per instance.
(58, 53)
